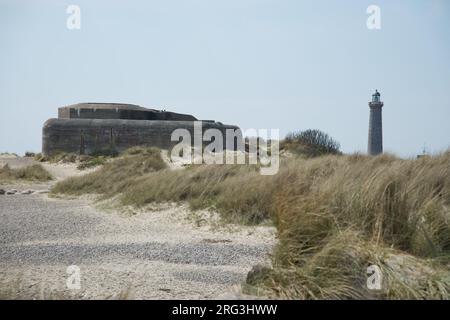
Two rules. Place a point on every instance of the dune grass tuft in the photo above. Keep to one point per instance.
(115, 176)
(240, 193)
(31, 173)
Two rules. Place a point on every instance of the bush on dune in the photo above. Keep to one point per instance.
(310, 143)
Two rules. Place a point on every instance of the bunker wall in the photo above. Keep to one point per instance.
(85, 136)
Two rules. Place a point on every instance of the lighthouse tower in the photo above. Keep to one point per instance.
(375, 145)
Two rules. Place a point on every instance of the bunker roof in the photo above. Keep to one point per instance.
(115, 106)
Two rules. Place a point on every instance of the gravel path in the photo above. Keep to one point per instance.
(157, 253)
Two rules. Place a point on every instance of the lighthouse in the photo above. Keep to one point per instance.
(375, 144)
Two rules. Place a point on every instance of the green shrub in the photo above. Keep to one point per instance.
(311, 143)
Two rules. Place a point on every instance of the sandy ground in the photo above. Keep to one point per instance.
(164, 252)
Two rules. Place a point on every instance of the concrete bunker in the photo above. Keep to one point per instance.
(87, 128)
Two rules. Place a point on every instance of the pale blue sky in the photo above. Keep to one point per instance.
(255, 63)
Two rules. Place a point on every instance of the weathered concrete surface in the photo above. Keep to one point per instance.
(88, 127)
(88, 135)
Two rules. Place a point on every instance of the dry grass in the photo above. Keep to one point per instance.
(60, 157)
(399, 203)
(335, 215)
(337, 269)
(31, 173)
(83, 161)
(239, 193)
(114, 176)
